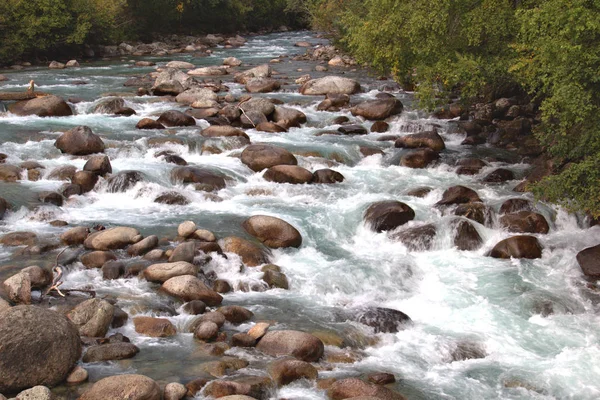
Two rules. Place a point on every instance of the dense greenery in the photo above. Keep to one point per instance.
(489, 48)
(46, 26)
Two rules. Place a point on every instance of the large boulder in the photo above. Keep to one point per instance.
(288, 117)
(589, 261)
(120, 387)
(258, 104)
(110, 351)
(154, 327)
(261, 156)
(417, 238)
(79, 141)
(109, 106)
(301, 345)
(172, 81)
(466, 236)
(523, 246)
(525, 222)
(114, 238)
(286, 371)
(10, 173)
(123, 181)
(381, 319)
(262, 85)
(378, 109)
(37, 347)
(351, 388)
(429, 139)
(18, 288)
(262, 71)
(388, 215)
(45, 106)
(92, 317)
(251, 254)
(165, 271)
(188, 288)
(236, 314)
(175, 118)
(458, 195)
(330, 85)
(98, 164)
(273, 232)
(207, 180)
(419, 158)
(288, 174)
(197, 95)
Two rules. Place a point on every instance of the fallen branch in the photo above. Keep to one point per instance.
(244, 112)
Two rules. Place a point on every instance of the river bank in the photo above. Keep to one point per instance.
(481, 326)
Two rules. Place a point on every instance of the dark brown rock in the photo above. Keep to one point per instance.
(356, 388)
(420, 158)
(288, 174)
(258, 157)
(388, 215)
(378, 109)
(154, 327)
(208, 180)
(499, 175)
(175, 118)
(458, 195)
(525, 222)
(236, 314)
(381, 319)
(429, 139)
(251, 254)
(45, 106)
(518, 247)
(79, 141)
(149, 123)
(288, 370)
(327, 176)
(589, 261)
(86, 180)
(380, 127)
(273, 232)
(99, 165)
(466, 236)
(419, 238)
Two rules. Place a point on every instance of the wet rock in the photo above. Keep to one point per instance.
(232, 62)
(110, 351)
(123, 181)
(499, 175)
(206, 331)
(154, 327)
(45, 106)
(184, 252)
(86, 180)
(186, 229)
(466, 236)
(193, 387)
(149, 123)
(352, 129)
(70, 189)
(301, 345)
(387, 215)
(143, 246)
(419, 238)
(180, 65)
(236, 314)
(252, 119)
(330, 85)
(188, 288)
(273, 232)
(171, 82)
(525, 222)
(275, 279)
(113, 270)
(18, 239)
(327, 176)
(385, 320)
(208, 180)
(204, 235)
(517, 247)
(120, 318)
(212, 316)
(285, 371)
(470, 166)
(356, 388)
(39, 277)
(242, 340)
(378, 109)
(174, 391)
(288, 174)
(10, 173)
(18, 288)
(258, 157)
(62, 173)
(99, 165)
(262, 85)
(251, 254)
(194, 307)
(175, 118)
(467, 351)
(119, 387)
(4, 206)
(270, 127)
(458, 195)
(197, 95)
(262, 71)
(96, 259)
(79, 141)
(164, 272)
(255, 386)
(477, 212)
(172, 198)
(224, 131)
(114, 238)
(77, 376)
(429, 139)
(259, 330)
(420, 158)
(589, 261)
(108, 106)
(222, 286)
(92, 317)
(30, 353)
(51, 198)
(36, 393)
(288, 117)
(381, 378)
(515, 205)
(380, 127)
(208, 71)
(419, 192)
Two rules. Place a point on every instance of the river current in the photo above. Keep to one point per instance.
(536, 321)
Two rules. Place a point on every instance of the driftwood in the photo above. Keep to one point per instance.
(27, 95)
(56, 282)
(244, 112)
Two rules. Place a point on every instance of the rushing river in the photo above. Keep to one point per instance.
(536, 321)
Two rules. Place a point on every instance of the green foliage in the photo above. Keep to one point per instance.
(550, 48)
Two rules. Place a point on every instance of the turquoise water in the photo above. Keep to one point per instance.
(452, 296)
